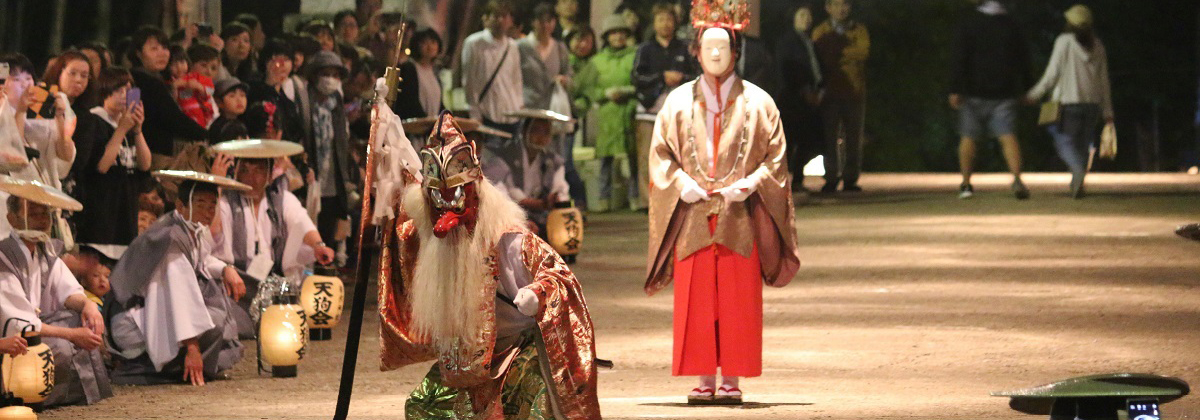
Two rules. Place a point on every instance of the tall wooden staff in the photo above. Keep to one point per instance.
(362, 270)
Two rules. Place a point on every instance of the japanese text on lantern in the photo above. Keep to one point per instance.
(322, 303)
(48, 367)
(571, 225)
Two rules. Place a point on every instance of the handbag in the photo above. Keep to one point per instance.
(560, 102)
(1049, 114)
(1108, 142)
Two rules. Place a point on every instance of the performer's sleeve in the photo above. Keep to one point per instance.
(548, 276)
(774, 167)
(665, 171)
(514, 275)
(223, 242)
(14, 304)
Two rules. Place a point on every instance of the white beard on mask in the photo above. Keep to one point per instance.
(450, 274)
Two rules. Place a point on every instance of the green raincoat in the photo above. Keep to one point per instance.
(611, 68)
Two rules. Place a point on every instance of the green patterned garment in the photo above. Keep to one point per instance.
(524, 395)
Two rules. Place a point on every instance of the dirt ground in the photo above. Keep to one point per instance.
(910, 304)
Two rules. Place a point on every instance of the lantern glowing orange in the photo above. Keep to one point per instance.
(30, 376)
(564, 230)
(281, 335)
(17, 412)
(322, 296)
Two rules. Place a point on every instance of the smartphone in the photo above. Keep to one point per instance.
(48, 109)
(132, 97)
(1143, 409)
(40, 95)
(3, 72)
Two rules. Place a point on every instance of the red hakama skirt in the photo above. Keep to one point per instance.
(718, 313)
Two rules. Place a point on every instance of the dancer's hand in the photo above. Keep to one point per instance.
(527, 302)
(690, 192)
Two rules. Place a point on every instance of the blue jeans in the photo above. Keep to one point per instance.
(1077, 129)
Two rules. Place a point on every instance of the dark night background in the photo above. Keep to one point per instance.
(1152, 48)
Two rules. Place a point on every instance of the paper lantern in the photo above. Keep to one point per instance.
(281, 335)
(30, 376)
(322, 296)
(564, 230)
(17, 412)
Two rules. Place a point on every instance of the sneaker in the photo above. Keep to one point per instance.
(965, 191)
(1019, 190)
(851, 188)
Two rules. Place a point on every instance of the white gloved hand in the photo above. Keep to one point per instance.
(741, 189)
(690, 192)
(527, 302)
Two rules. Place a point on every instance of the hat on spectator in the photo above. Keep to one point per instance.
(40, 193)
(1079, 16)
(258, 149)
(614, 23)
(228, 84)
(202, 177)
(540, 114)
(325, 59)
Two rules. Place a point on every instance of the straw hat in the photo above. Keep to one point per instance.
(40, 193)
(540, 114)
(219, 181)
(258, 149)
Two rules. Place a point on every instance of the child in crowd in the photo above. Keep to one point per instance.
(194, 88)
(231, 98)
(151, 204)
(91, 265)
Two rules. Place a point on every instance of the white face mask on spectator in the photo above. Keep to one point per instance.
(329, 85)
(35, 236)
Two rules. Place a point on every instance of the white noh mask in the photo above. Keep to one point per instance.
(716, 52)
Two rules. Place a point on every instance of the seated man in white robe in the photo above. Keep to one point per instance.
(537, 180)
(171, 299)
(38, 292)
(265, 231)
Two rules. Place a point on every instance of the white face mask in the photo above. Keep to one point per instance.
(36, 236)
(328, 85)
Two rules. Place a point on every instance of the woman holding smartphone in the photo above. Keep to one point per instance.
(165, 121)
(113, 161)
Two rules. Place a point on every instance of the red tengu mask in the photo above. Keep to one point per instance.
(450, 165)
